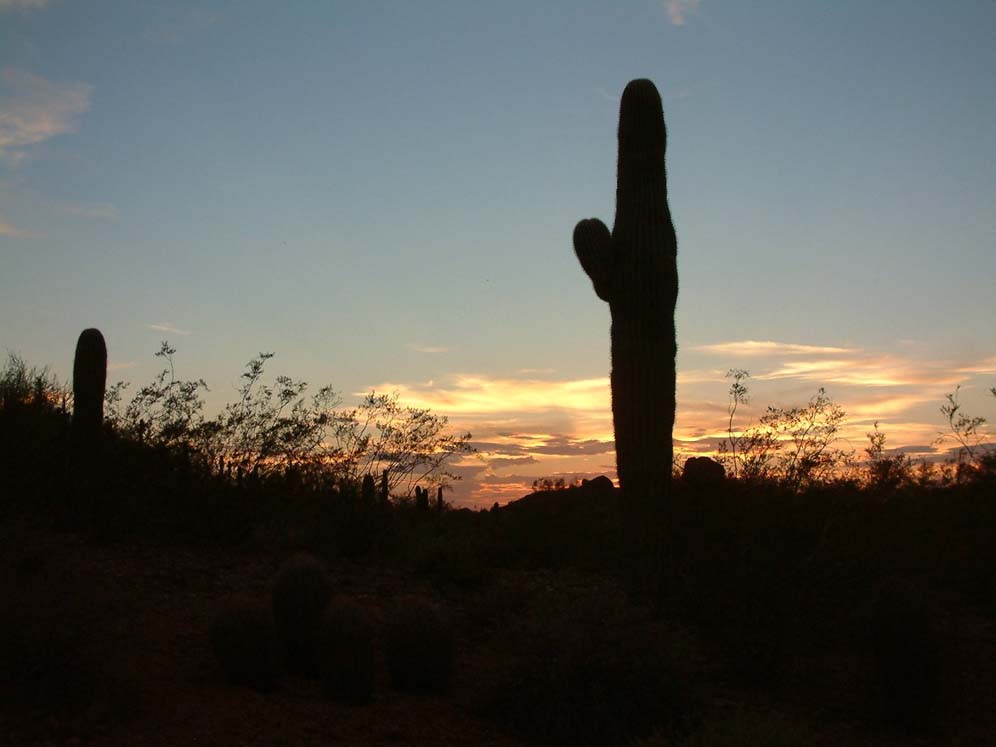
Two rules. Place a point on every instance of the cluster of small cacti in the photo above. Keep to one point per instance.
(329, 638)
(634, 269)
(89, 385)
(422, 499)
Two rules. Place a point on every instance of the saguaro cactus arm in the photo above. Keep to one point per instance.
(593, 247)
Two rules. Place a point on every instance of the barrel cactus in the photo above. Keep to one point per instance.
(634, 269)
(300, 593)
(89, 384)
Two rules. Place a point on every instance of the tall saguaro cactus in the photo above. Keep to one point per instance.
(89, 383)
(635, 270)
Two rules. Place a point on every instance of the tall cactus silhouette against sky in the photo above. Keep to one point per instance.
(635, 270)
(89, 383)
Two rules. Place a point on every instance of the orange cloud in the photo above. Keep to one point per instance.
(480, 394)
(13, 232)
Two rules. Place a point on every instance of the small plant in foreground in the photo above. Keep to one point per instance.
(300, 593)
(419, 647)
(905, 646)
(346, 651)
(244, 640)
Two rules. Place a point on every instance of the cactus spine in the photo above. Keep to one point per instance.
(634, 269)
(89, 384)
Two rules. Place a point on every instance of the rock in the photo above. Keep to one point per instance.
(703, 471)
(600, 484)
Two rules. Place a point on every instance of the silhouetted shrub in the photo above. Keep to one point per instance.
(904, 641)
(419, 647)
(244, 640)
(346, 651)
(300, 593)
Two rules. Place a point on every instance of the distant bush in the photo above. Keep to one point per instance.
(300, 593)
(244, 640)
(419, 647)
(346, 651)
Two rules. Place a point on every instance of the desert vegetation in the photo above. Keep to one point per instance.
(847, 593)
(282, 572)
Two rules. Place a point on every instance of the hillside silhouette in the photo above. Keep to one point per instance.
(138, 578)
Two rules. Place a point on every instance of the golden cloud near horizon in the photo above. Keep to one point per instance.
(528, 426)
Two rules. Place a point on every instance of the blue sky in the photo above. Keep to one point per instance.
(384, 193)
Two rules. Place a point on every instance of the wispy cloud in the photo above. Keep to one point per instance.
(749, 348)
(607, 96)
(34, 109)
(504, 462)
(22, 4)
(426, 348)
(867, 371)
(985, 366)
(167, 327)
(13, 232)
(679, 10)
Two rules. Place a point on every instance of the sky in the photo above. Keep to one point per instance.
(383, 195)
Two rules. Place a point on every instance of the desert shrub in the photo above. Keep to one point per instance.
(904, 642)
(63, 670)
(586, 668)
(346, 651)
(419, 647)
(300, 593)
(244, 640)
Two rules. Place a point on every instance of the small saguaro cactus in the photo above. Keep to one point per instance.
(383, 488)
(635, 270)
(89, 384)
(439, 498)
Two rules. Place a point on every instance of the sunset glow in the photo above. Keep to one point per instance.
(383, 218)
